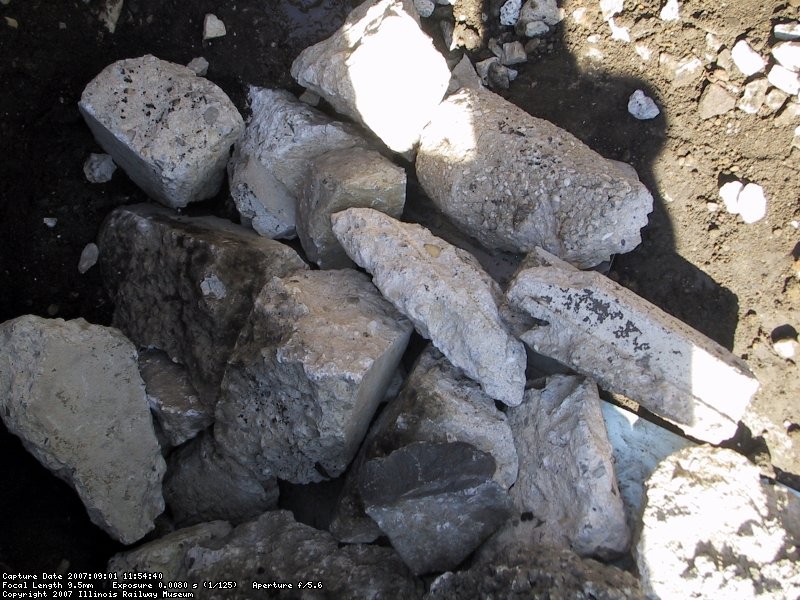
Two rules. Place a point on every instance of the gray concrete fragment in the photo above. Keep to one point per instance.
(443, 290)
(435, 501)
(464, 76)
(71, 392)
(175, 404)
(204, 484)
(638, 447)
(711, 529)
(340, 179)
(566, 492)
(540, 10)
(88, 258)
(185, 285)
(99, 168)
(304, 381)
(360, 71)
(515, 182)
(437, 404)
(270, 163)
(168, 129)
(629, 346)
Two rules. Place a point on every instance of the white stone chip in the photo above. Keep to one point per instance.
(509, 12)
(609, 8)
(787, 31)
(513, 53)
(785, 348)
(754, 95)
(50, 221)
(788, 55)
(535, 29)
(88, 258)
(99, 168)
(199, 65)
(642, 106)
(730, 196)
(670, 11)
(747, 60)
(621, 34)
(752, 204)
(213, 27)
(784, 79)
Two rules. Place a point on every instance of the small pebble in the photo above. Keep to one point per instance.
(747, 60)
(53, 309)
(730, 195)
(509, 12)
(642, 106)
(513, 53)
(775, 99)
(424, 8)
(50, 221)
(754, 95)
(785, 348)
(88, 258)
(62, 25)
(621, 34)
(213, 27)
(199, 65)
(534, 29)
(788, 55)
(671, 11)
(784, 79)
(752, 203)
(99, 168)
(609, 8)
(11, 22)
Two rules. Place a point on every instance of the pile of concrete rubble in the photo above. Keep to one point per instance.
(486, 458)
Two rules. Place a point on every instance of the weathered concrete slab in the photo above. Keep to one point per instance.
(270, 163)
(379, 68)
(341, 179)
(205, 484)
(186, 285)
(711, 529)
(630, 346)
(443, 290)
(435, 501)
(175, 404)
(515, 182)
(304, 381)
(566, 494)
(168, 129)
(72, 393)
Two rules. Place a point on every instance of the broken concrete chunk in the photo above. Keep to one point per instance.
(304, 381)
(168, 129)
(270, 163)
(71, 392)
(711, 529)
(204, 484)
(747, 60)
(99, 168)
(185, 285)
(630, 346)
(784, 79)
(566, 491)
(340, 179)
(515, 182)
(175, 403)
(361, 73)
(213, 27)
(199, 65)
(464, 76)
(546, 11)
(435, 501)
(442, 289)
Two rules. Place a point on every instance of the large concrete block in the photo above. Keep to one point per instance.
(310, 368)
(270, 163)
(630, 346)
(168, 129)
(185, 285)
(72, 393)
(379, 68)
(443, 290)
(515, 182)
(341, 179)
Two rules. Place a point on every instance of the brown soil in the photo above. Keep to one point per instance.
(735, 282)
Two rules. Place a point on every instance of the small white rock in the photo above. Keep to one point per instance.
(713, 42)
(788, 55)
(671, 11)
(609, 8)
(730, 196)
(88, 258)
(787, 31)
(644, 52)
(509, 12)
(50, 221)
(642, 106)
(754, 95)
(747, 60)
(99, 168)
(424, 7)
(213, 27)
(535, 29)
(199, 65)
(579, 15)
(785, 348)
(784, 79)
(752, 203)
(621, 34)
(12, 22)
(796, 144)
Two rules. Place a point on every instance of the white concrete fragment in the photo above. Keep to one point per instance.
(424, 8)
(786, 348)
(630, 346)
(213, 27)
(784, 79)
(747, 60)
(753, 97)
(775, 99)
(88, 259)
(545, 11)
(360, 71)
(199, 65)
(566, 480)
(712, 529)
(509, 12)
(99, 168)
(442, 289)
(514, 182)
(788, 55)
(621, 34)
(751, 203)
(670, 11)
(787, 31)
(270, 163)
(609, 8)
(168, 129)
(642, 106)
(534, 29)
(729, 192)
(513, 53)
(72, 392)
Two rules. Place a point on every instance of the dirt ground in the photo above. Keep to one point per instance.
(738, 283)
